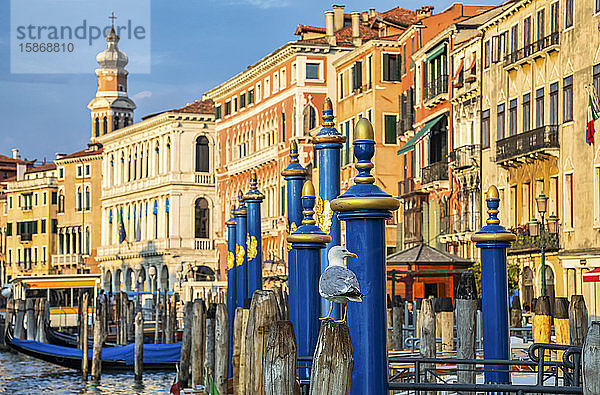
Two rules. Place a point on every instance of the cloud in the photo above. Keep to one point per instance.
(142, 95)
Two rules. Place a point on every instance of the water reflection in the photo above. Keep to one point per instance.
(20, 374)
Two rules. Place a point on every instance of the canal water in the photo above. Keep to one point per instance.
(20, 374)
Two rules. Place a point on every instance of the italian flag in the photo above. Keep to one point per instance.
(593, 113)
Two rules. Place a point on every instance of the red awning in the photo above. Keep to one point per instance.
(593, 276)
(458, 69)
(472, 62)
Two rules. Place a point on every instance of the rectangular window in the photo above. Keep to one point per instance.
(43, 228)
(369, 70)
(526, 203)
(512, 116)
(9, 230)
(485, 129)
(390, 129)
(568, 13)
(235, 104)
(44, 198)
(404, 60)
(554, 18)
(357, 77)
(541, 22)
(54, 198)
(539, 108)
(341, 85)
(569, 196)
(527, 35)
(227, 108)
(568, 99)
(250, 96)
(242, 100)
(218, 112)
(486, 54)
(526, 112)
(79, 171)
(10, 206)
(554, 103)
(54, 226)
(500, 123)
(514, 39)
(267, 90)
(283, 80)
(61, 175)
(391, 67)
(312, 71)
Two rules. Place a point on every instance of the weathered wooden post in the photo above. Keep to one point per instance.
(237, 342)
(118, 313)
(307, 242)
(31, 324)
(493, 240)
(294, 175)
(397, 323)
(156, 300)
(130, 322)
(328, 145)
(279, 365)
(10, 314)
(561, 323)
(198, 341)
(591, 360)
(221, 348)
(209, 345)
(163, 319)
(446, 321)
(241, 256)
(542, 320)
(516, 313)
(466, 319)
(186, 344)
(253, 199)
(578, 320)
(243, 375)
(427, 346)
(43, 320)
(365, 208)
(98, 339)
(84, 336)
(20, 316)
(139, 346)
(263, 311)
(333, 361)
(231, 290)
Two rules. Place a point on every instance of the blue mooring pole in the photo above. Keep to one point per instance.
(365, 208)
(307, 243)
(294, 174)
(493, 240)
(231, 287)
(241, 259)
(328, 143)
(253, 200)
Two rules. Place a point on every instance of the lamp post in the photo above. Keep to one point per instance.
(539, 229)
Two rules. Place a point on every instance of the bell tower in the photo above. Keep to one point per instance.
(111, 109)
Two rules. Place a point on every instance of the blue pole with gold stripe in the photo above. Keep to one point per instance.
(294, 175)
(307, 242)
(253, 200)
(231, 286)
(493, 240)
(365, 208)
(241, 261)
(328, 144)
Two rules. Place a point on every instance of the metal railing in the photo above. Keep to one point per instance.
(465, 156)
(406, 186)
(527, 142)
(526, 242)
(436, 87)
(435, 172)
(531, 49)
(461, 223)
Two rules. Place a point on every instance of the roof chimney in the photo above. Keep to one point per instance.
(21, 169)
(60, 156)
(364, 16)
(15, 154)
(356, 40)
(329, 28)
(371, 12)
(424, 11)
(338, 19)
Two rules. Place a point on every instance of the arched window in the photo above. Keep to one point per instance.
(79, 199)
(201, 218)
(61, 202)
(310, 119)
(87, 241)
(115, 122)
(104, 126)
(87, 198)
(202, 154)
(97, 127)
(125, 121)
(168, 166)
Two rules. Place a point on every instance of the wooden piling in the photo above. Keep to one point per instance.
(542, 321)
(198, 342)
(163, 317)
(238, 334)
(173, 320)
(516, 313)
(561, 323)
(333, 360)
(117, 310)
(397, 324)
(31, 324)
(445, 317)
(43, 320)
(427, 330)
(98, 339)
(156, 301)
(10, 315)
(466, 318)
(20, 316)
(138, 365)
(186, 344)
(263, 311)
(591, 360)
(279, 363)
(84, 336)
(389, 324)
(123, 321)
(221, 348)
(417, 316)
(578, 320)
(168, 325)
(209, 346)
(130, 321)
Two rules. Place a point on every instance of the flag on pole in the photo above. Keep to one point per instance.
(122, 233)
(593, 113)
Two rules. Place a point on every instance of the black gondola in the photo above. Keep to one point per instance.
(64, 339)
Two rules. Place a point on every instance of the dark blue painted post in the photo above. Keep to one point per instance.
(231, 286)
(307, 242)
(294, 174)
(253, 200)
(328, 143)
(493, 240)
(241, 261)
(365, 208)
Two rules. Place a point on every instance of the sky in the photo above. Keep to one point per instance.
(195, 46)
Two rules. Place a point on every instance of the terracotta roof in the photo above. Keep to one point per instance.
(82, 153)
(398, 16)
(312, 29)
(343, 37)
(198, 107)
(44, 167)
(4, 158)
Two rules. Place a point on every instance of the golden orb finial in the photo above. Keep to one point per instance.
(327, 105)
(492, 193)
(308, 189)
(364, 130)
(253, 175)
(294, 145)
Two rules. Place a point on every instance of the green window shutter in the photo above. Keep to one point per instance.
(386, 67)
(390, 129)
(398, 68)
(359, 74)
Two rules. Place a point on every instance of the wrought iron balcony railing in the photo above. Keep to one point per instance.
(528, 142)
(436, 87)
(435, 172)
(525, 242)
(406, 186)
(465, 156)
(531, 49)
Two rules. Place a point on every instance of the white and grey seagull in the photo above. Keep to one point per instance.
(338, 284)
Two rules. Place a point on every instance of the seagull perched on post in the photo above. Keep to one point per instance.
(338, 284)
